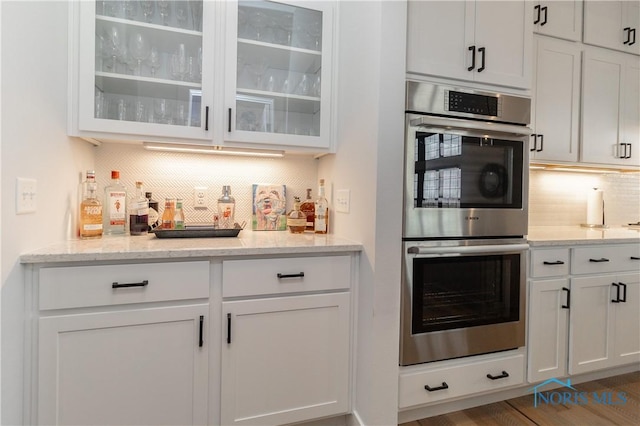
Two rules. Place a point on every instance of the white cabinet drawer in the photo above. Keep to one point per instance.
(459, 380)
(606, 258)
(549, 262)
(84, 286)
(285, 275)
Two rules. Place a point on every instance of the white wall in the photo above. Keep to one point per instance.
(371, 61)
(34, 145)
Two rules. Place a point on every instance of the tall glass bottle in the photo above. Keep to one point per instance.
(226, 209)
(178, 217)
(296, 219)
(308, 208)
(154, 209)
(168, 214)
(115, 206)
(90, 209)
(321, 205)
(139, 212)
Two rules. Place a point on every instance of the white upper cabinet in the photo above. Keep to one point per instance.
(610, 108)
(562, 19)
(278, 73)
(143, 70)
(480, 41)
(556, 100)
(613, 24)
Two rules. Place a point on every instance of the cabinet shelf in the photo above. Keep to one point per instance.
(145, 86)
(284, 102)
(282, 57)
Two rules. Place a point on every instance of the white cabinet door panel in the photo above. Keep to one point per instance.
(627, 321)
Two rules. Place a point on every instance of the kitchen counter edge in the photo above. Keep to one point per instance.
(128, 248)
(549, 236)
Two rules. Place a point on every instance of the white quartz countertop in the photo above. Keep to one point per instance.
(149, 247)
(577, 235)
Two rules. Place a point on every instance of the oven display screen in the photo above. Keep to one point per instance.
(473, 104)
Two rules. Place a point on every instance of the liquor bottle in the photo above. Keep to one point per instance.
(115, 206)
(226, 209)
(178, 217)
(308, 208)
(90, 209)
(296, 219)
(154, 216)
(139, 213)
(168, 214)
(321, 206)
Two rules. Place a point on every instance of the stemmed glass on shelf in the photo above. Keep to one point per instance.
(153, 60)
(113, 47)
(148, 8)
(139, 50)
(165, 11)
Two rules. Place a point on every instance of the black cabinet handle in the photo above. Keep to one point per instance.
(483, 51)
(628, 30)
(228, 328)
(557, 262)
(634, 258)
(535, 141)
(536, 8)
(201, 338)
(229, 128)
(602, 259)
(633, 41)
(541, 143)
(473, 58)
(625, 150)
(568, 305)
(617, 299)
(501, 376)
(206, 118)
(624, 293)
(298, 275)
(140, 284)
(443, 387)
(544, 10)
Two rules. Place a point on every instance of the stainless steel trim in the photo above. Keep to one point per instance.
(503, 248)
(471, 128)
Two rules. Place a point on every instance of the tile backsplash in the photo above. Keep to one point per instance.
(175, 175)
(560, 198)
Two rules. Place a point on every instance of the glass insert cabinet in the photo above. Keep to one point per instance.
(257, 72)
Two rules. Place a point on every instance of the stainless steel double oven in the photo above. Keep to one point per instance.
(465, 218)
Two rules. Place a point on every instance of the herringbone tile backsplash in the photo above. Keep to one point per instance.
(174, 175)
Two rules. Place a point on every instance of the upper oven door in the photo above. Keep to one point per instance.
(465, 178)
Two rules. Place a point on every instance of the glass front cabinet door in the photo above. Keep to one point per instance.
(145, 69)
(278, 62)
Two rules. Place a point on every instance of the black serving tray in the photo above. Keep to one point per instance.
(196, 231)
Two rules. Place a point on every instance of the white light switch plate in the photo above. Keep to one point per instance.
(26, 195)
(343, 200)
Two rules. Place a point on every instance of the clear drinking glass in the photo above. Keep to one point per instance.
(139, 50)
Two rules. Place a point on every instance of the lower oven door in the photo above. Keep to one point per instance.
(462, 298)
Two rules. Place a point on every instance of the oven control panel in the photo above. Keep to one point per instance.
(472, 103)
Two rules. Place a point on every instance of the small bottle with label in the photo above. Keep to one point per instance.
(226, 209)
(296, 219)
(90, 209)
(115, 206)
(308, 208)
(139, 213)
(168, 214)
(154, 216)
(178, 217)
(321, 205)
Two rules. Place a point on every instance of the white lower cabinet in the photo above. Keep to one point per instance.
(286, 353)
(435, 382)
(117, 344)
(584, 313)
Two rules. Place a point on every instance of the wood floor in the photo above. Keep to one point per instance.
(521, 411)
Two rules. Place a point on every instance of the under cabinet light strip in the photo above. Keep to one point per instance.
(217, 150)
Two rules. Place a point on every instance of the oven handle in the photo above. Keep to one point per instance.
(488, 129)
(468, 249)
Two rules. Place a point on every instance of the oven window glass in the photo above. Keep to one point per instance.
(455, 171)
(464, 291)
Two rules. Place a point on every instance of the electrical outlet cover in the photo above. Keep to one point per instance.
(26, 195)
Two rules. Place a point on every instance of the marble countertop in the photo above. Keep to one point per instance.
(149, 247)
(577, 235)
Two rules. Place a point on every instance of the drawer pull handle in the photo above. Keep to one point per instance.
(634, 258)
(557, 262)
(298, 275)
(624, 292)
(443, 387)
(568, 305)
(617, 299)
(602, 259)
(201, 338)
(228, 329)
(126, 285)
(501, 376)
